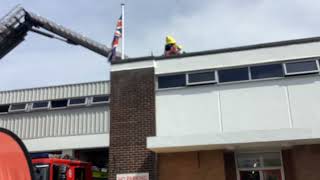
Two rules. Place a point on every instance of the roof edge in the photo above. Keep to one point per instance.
(54, 86)
(224, 50)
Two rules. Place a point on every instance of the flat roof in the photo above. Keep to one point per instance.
(223, 50)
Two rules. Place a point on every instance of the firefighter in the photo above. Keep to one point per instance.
(171, 47)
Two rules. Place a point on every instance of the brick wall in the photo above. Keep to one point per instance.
(201, 165)
(132, 120)
(302, 162)
(287, 162)
(230, 166)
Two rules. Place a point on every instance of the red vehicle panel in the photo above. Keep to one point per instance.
(61, 169)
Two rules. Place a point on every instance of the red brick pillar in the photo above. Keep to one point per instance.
(132, 121)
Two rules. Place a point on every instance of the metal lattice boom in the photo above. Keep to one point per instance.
(16, 24)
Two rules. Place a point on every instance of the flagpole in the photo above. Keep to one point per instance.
(123, 31)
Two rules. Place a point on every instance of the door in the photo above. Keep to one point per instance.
(271, 175)
(80, 174)
(249, 175)
(261, 175)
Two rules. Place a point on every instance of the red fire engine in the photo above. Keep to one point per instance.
(61, 169)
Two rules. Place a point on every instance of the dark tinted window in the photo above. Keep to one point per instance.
(97, 99)
(236, 74)
(77, 101)
(41, 172)
(304, 66)
(4, 108)
(178, 80)
(201, 77)
(41, 104)
(266, 71)
(80, 174)
(15, 107)
(59, 103)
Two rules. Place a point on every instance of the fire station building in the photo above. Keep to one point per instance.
(242, 113)
(68, 119)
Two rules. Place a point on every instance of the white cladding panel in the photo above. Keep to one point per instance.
(187, 111)
(254, 106)
(238, 58)
(262, 105)
(68, 122)
(304, 96)
(54, 92)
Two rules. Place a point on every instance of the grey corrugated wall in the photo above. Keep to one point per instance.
(54, 92)
(66, 122)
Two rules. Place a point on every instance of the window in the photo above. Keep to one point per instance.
(236, 74)
(257, 166)
(59, 103)
(171, 81)
(257, 160)
(4, 109)
(59, 172)
(266, 71)
(80, 174)
(303, 67)
(77, 101)
(40, 105)
(100, 99)
(41, 171)
(18, 107)
(201, 77)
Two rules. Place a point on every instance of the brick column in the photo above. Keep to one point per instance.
(132, 121)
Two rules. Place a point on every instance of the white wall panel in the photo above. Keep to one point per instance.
(254, 106)
(187, 111)
(260, 105)
(304, 93)
(67, 122)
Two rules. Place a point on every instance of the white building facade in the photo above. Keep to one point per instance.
(245, 113)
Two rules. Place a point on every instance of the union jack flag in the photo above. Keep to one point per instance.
(116, 38)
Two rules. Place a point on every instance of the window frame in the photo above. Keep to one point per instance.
(168, 88)
(232, 82)
(75, 105)
(8, 108)
(40, 108)
(54, 108)
(201, 82)
(18, 110)
(100, 102)
(238, 169)
(268, 78)
(286, 73)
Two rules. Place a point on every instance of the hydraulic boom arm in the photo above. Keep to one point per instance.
(16, 24)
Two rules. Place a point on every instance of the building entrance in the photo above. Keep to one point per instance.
(259, 166)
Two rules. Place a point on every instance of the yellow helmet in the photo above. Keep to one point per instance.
(170, 40)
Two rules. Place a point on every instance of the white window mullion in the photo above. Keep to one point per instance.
(261, 174)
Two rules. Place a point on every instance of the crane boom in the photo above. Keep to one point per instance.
(16, 24)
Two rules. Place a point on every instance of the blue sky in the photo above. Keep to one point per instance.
(196, 25)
